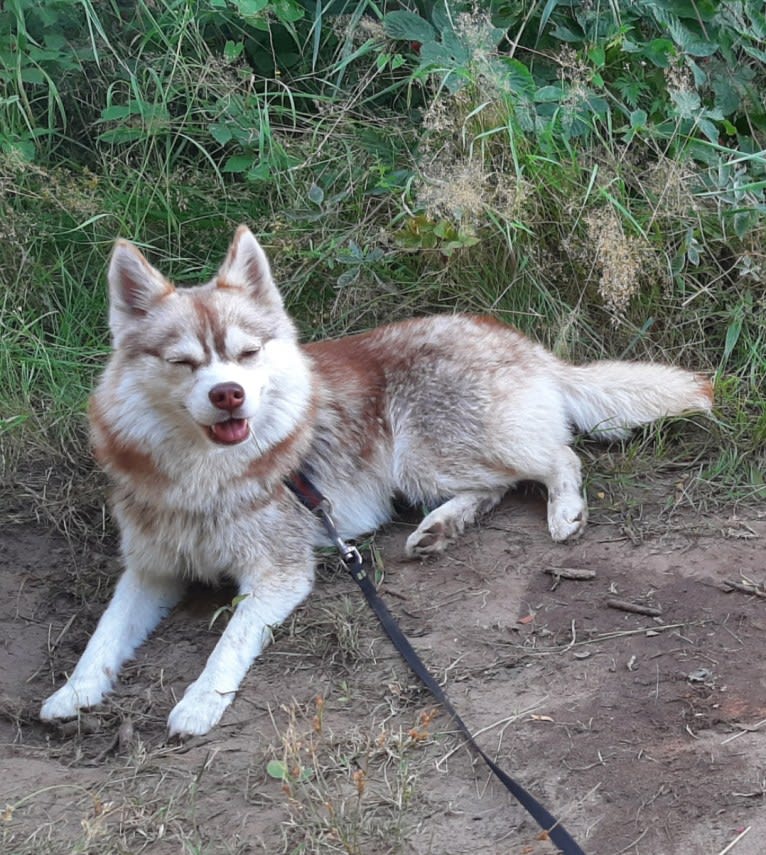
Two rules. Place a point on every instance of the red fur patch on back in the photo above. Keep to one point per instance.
(489, 321)
(351, 366)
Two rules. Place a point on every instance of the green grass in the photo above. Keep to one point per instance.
(605, 198)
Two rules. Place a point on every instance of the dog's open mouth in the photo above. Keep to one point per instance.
(229, 432)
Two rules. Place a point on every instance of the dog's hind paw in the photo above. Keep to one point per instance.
(567, 518)
(429, 541)
(197, 712)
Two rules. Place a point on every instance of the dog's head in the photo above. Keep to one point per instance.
(204, 358)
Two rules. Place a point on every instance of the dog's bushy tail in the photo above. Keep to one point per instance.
(607, 399)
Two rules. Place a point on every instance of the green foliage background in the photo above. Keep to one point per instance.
(592, 172)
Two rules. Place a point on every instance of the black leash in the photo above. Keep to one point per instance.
(311, 498)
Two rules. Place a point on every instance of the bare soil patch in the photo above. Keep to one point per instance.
(646, 734)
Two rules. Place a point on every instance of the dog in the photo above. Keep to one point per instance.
(209, 403)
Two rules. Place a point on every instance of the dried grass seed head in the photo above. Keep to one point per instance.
(618, 256)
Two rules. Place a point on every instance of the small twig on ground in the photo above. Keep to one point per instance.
(120, 742)
(633, 842)
(52, 646)
(656, 629)
(636, 608)
(570, 573)
(735, 841)
(744, 728)
(504, 722)
(574, 638)
(746, 587)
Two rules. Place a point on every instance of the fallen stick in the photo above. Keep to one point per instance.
(746, 588)
(655, 629)
(736, 840)
(570, 573)
(636, 608)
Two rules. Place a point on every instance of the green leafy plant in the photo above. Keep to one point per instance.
(421, 232)
(593, 173)
(227, 609)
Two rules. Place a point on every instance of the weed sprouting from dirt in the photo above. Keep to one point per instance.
(332, 632)
(347, 792)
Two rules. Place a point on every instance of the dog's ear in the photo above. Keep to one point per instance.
(134, 285)
(246, 266)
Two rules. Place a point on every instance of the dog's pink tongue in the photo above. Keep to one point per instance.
(231, 431)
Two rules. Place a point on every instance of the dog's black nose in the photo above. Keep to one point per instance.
(227, 396)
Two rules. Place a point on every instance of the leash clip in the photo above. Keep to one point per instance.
(349, 555)
(352, 558)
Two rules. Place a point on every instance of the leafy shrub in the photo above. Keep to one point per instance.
(592, 172)
(649, 112)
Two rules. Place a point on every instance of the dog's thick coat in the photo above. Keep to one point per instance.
(208, 403)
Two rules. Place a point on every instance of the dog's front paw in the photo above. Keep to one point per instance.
(198, 711)
(73, 696)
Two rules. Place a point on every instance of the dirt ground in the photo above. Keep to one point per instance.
(645, 733)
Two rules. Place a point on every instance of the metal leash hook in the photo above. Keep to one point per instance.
(349, 554)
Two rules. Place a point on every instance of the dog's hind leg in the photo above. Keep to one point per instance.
(567, 510)
(445, 523)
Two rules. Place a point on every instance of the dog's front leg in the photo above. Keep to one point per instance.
(265, 603)
(139, 602)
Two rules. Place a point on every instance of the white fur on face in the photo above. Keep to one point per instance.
(167, 396)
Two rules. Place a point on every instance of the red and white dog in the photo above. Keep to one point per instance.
(209, 403)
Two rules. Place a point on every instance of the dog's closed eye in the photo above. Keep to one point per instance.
(182, 360)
